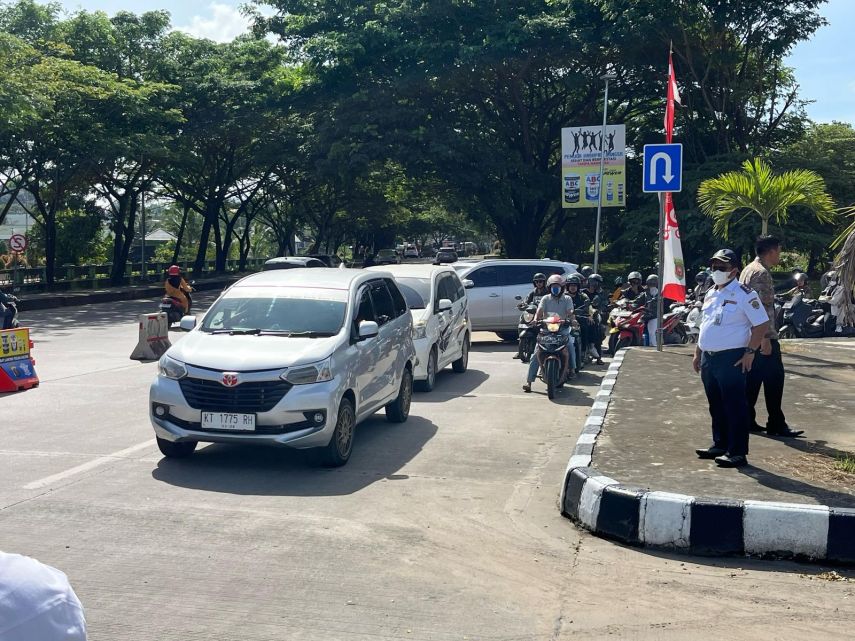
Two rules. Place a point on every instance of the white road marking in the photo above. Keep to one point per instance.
(89, 465)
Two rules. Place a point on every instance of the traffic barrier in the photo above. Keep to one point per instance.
(154, 337)
(17, 366)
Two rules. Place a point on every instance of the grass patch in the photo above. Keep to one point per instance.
(845, 463)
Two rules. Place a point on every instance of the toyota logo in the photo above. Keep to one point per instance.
(230, 379)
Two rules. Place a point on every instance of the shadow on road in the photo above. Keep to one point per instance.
(381, 449)
(450, 384)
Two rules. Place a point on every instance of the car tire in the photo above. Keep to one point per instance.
(462, 364)
(182, 449)
(427, 385)
(510, 337)
(338, 450)
(398, 411)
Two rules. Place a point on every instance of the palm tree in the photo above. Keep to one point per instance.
(757, 190)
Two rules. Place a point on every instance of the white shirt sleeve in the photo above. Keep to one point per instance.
(752, 306)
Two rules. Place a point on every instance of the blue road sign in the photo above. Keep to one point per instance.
(663, 168)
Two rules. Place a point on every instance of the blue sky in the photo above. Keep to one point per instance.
(824, 65)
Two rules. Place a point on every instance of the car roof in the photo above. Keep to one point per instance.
(569, 267)
(290, 259)
(413, 271)
(317, 278)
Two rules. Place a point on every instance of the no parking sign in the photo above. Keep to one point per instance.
(18, 243)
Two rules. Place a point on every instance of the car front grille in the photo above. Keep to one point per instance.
(213, 396)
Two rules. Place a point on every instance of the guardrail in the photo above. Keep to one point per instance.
(92, 276)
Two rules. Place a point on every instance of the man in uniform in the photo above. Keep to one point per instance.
(733, 325)
(768, 370)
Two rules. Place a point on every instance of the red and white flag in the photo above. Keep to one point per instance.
(673, 269)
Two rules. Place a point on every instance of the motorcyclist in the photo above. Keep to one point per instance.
(649, 299)
(582, 310)
(585, 272)
(7, 312)
(178, 288)
(635, 288)
(801, 280)
(618, 290)
(533, 298)
(702, 284)
(599, 308)
(560, 304)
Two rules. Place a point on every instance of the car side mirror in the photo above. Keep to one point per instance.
(444, 305)
(187, 323)
(468, 284)
(368, 329)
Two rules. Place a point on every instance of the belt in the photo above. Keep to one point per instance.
(713, 353)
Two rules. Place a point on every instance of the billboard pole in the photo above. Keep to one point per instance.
(606, 77)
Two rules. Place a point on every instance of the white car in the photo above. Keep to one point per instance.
(296, 358)
(496, 286)
(441, 328)
(411, 251)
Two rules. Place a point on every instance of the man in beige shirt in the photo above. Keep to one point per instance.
(768, 369)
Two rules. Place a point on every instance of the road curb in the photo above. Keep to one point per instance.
(695, 525)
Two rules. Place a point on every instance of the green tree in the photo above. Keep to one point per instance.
(757, 190)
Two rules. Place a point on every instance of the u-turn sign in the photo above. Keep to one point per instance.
(663, 168)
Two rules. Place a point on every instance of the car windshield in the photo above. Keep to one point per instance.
(386, 252)
(284, 314)
(462, 268)
(416, 291)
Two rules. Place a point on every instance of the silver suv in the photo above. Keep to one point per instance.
(495, 287)
(295, 358)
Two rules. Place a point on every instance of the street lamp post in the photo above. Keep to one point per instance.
(606, 77)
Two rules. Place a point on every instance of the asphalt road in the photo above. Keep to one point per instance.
(445, 527)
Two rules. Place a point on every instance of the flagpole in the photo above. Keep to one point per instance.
(606, 77)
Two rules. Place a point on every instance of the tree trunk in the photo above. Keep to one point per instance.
(202, 251)
(181, 229)
(764, 229)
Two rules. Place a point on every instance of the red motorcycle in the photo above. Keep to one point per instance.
(629, 326)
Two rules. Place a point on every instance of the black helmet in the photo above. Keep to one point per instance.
(586, 271)
(539, 277)
(574, 279)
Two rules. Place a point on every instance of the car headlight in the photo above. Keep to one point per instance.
(419, 331)
(170, 368)
(306, 374)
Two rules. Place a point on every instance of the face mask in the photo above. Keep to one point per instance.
(721, 278)
(654, 291)
(556, 291)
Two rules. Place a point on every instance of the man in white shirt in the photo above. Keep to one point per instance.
(733, 324)
(37, 602)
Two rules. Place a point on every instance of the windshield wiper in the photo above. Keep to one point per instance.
(309, 334)
(237, 332)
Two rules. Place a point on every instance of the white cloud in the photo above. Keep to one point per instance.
(223, 24)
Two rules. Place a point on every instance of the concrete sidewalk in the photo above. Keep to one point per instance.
(658, 416)
(51, 300)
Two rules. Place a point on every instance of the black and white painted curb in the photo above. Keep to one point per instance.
(695, 525)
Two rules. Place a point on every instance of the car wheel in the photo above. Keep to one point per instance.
(510, 337)
(462, 364)
(399, 410)
(428, 384)
(338, 450)
(176, 450)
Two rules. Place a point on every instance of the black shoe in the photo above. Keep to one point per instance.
(731, 461)
(756, 428)
(527, 388)
(786, 433)
(711, 452)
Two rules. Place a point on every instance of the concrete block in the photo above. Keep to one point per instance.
(618, 516)
(841, 535)
(789, 529)
(589, 500)
(665, 519)
(716, 527)
(573, 483)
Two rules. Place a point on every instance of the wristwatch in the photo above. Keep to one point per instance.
(750, 350)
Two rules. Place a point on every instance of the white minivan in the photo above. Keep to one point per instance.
(294, 358)
(441, 328)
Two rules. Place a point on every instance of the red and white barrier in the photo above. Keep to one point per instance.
(154, 337)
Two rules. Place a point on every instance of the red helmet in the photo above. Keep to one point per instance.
(175, 270)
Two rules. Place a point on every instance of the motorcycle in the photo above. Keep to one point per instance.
(673, 325)
(552, 343)
(803, 318)
(527, 329)
(174, 309)
(692, 322)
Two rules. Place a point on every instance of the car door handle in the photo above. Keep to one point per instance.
(517, 297)
(495, 296)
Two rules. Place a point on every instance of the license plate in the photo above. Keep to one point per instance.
(228, 421)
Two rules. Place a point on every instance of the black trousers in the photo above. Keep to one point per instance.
(768, 372)
(725, 386)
